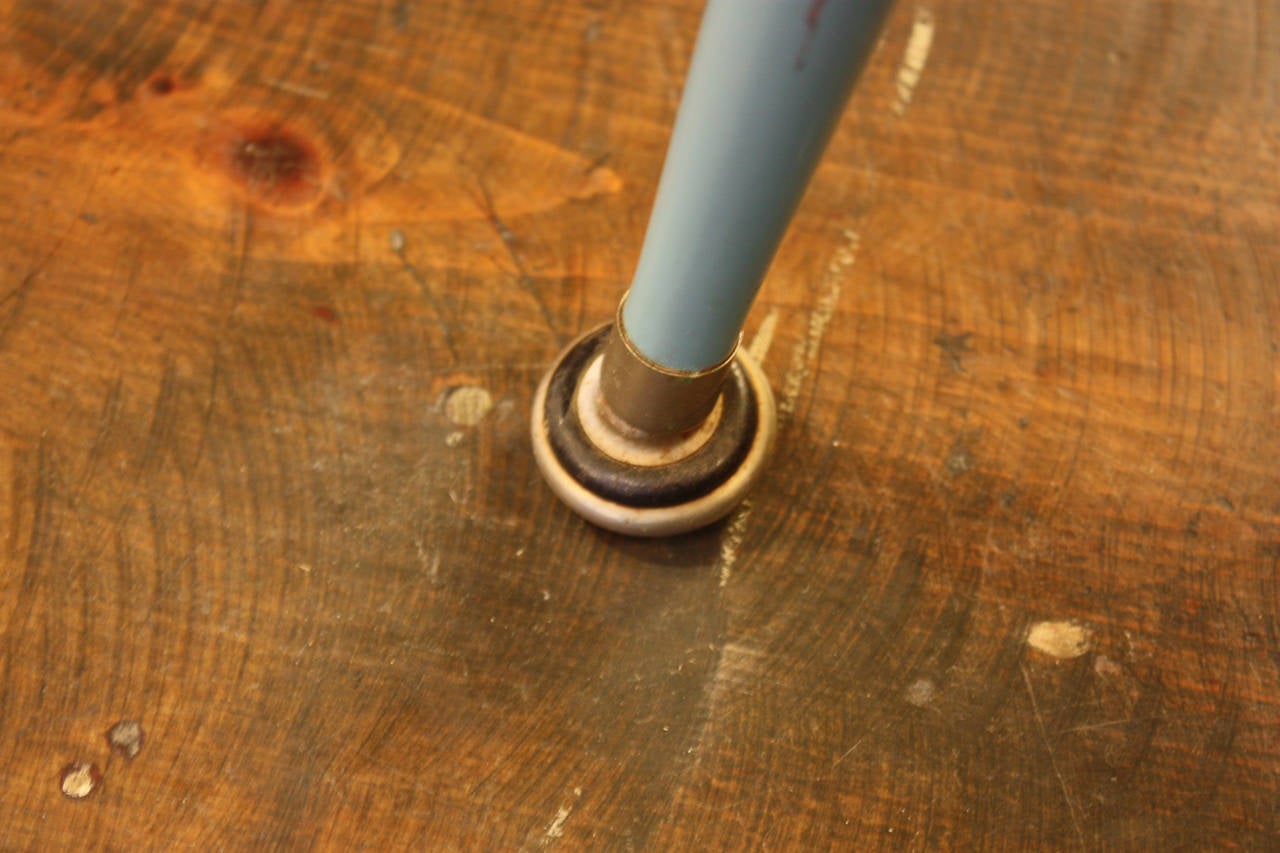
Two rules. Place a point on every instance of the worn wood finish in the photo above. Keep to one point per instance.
(278, 281)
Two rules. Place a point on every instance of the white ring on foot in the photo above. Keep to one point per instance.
(660, 520)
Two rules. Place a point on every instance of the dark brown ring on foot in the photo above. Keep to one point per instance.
(639, 483)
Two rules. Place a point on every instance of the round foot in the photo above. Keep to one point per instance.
(635, 483)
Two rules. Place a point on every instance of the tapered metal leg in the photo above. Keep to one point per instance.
(657, 424)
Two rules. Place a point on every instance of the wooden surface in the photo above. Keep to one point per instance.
(278, 281)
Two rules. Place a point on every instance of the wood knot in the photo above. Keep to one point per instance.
(279, 168)
(161, 85)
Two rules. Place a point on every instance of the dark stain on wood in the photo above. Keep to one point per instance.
(954, 345)
(325, 314)
(161, 85)
(276, 165)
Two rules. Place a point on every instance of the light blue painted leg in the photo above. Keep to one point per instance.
(766, 86)
(652, 425)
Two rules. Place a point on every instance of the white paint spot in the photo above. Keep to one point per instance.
(758, 349)
(806, 351)
(429, 561)
(914, 59)
(454, 438)
(556, 828)
(738, 663)
(467, 406)
(396, 240)
(733, 541)
(1059, 639)
(126, 738)
(921, 692)
(80, 779)
(1106, 666)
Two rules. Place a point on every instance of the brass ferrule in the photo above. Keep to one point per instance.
(651, 398)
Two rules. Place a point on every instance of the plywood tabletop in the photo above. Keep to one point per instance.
(278, 281)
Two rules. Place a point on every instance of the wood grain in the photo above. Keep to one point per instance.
(1026, 336)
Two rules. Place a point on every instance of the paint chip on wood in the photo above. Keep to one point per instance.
(1061, 640)
(921, 692)
(732, 542)
(806, 351)
(556, 828)
(467, 406)
(763, 338)
(1107, 667)
(914, 59)
(125, 737)
(80, 779)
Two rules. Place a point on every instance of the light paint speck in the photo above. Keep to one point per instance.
(80, 779)
(1063, 640)
(805, 353)
(763, 338)
(921, 692)
(914, 59)
(556, 829)
(125, 737)
(467, 406)
(1106, 666)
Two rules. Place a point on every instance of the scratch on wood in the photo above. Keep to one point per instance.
(18, 298)
(806, 351)
(299, 90)
(847, 752)
(18, 295)
(397, 243)
(914, 59)
(1053, 761)
(1110, 724)
(508, 238)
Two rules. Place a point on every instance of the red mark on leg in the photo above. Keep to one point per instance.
(811, 21)
(815, 13)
